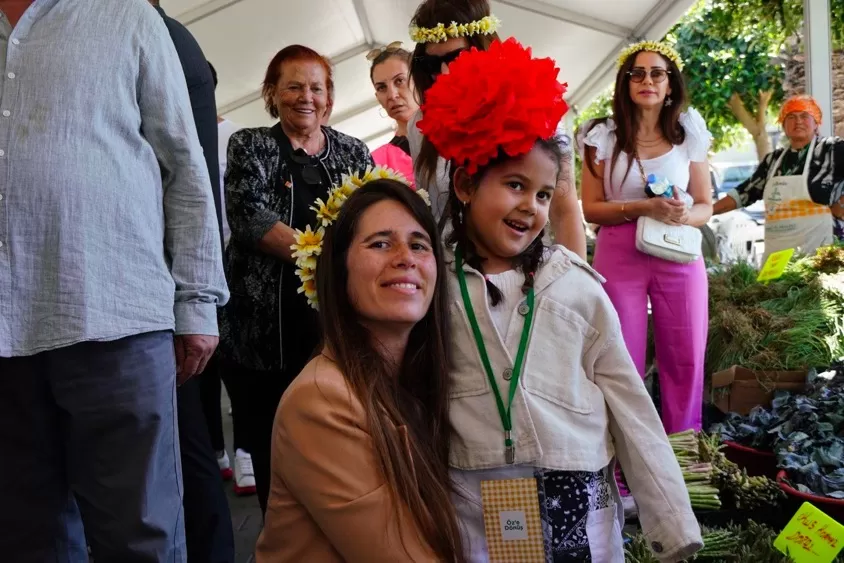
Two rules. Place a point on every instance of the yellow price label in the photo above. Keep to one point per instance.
(811, 536)
(775, 265)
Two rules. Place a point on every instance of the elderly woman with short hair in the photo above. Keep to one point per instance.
(268, 332)
(801, 184)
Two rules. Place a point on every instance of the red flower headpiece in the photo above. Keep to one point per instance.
(498, 99)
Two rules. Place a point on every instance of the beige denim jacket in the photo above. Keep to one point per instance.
(580, 400)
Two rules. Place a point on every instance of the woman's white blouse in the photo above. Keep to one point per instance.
(624, 181)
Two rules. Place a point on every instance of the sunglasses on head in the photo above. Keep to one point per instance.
(310, 171)
(433, 64)
(376, 52)
(657, 75)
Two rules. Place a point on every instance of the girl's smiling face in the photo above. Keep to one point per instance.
(507, 207)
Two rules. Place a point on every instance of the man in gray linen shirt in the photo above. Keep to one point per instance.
(108, 248)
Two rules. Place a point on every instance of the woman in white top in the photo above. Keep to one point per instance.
(467, 24)
(649, 134)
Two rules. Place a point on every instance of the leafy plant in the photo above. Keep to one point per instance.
(805, 431)
(746, 543)
(733, 80)
(738, 489)
(793, 323)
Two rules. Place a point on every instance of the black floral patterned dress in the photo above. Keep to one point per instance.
(267, 325)
(578, 509)
(566, 498)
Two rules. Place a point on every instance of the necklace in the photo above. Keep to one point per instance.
(648, 143)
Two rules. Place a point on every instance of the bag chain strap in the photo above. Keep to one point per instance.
(641, 168)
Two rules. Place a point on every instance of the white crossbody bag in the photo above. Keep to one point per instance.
(675, 243)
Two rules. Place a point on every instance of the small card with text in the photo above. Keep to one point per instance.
(512, 522)
(811, 536)
(775, 265)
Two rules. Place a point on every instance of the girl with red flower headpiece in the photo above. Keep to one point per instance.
(544, 395)
(442, 29)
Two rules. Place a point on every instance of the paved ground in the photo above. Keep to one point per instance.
(246, 514)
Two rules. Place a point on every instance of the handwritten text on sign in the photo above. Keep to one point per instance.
(775, 265)
(811, 536)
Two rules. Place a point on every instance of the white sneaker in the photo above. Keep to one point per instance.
(225, 465)
(244, 476)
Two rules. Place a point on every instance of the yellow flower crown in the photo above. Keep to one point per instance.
(308, 245)
(483, 26)
(663, 49)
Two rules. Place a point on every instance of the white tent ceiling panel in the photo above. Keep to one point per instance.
(366, 125)
(569, 45)
(252, 114)
(389, 20)
(354, 89)
(623, 13)
(178, 8)
(241, 36)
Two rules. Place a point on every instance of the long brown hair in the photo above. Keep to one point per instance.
(626, 117)
(418, 397)
(430, 14)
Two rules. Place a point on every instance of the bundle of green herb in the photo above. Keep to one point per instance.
(795, 322)
(746, 543)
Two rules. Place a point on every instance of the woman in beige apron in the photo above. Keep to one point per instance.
(801, 185)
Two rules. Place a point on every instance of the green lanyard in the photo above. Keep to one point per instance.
(503, 412)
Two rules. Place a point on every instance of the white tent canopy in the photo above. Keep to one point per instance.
(241, 36)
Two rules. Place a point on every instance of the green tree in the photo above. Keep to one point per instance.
(782, 20)
(733, 81)
(742, 57)
(599, 107)
(778, 19)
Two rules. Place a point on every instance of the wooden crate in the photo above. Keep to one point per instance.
(739, 389)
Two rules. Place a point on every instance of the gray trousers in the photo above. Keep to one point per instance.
(88, 435)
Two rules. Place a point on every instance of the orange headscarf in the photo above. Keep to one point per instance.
(801, 103)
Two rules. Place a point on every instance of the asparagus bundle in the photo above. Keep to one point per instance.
(718, 544)
(748, 542)
(745, 492)
(697, 473)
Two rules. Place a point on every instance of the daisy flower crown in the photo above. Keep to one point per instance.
(442, 32)
(663, 49)
(308, 245)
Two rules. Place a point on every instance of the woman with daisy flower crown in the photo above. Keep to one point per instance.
(442, 29)
(544, 396)
(652, 143)
(360, 440)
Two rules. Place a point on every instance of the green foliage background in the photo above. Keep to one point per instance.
(734, 47)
